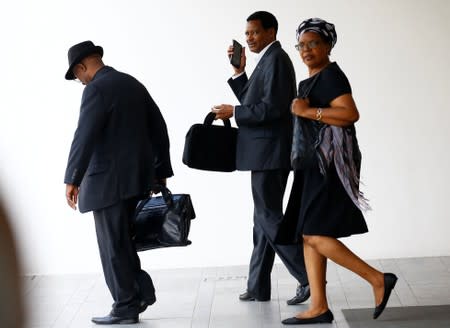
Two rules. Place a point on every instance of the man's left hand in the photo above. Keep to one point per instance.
(72, 195)
(223, 112)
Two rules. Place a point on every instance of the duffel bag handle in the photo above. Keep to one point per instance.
(209, 119)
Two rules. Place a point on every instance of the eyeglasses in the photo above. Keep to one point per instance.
(311, 45)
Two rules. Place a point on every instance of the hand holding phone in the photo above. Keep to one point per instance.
(235, 58)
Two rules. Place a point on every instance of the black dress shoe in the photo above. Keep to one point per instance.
(143, 306)
(326, 317)
(389, 282)
(301, 295)
(247, 297)
(146, 303)
(113, 320)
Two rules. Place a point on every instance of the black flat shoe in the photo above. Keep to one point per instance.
(113, 320)
(326, 317)
(301, 295)
(389, 282)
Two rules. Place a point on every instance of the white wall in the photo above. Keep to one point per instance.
(395, 54)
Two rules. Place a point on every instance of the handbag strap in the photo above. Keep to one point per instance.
(209, 119)
(311, 86)
(166, 194)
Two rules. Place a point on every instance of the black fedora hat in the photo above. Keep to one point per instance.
(79, 51)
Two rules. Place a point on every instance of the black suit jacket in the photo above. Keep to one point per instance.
(264, 117)
(120, 144)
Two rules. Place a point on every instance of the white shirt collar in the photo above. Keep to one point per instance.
(262, 52)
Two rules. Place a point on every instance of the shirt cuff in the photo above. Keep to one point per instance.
(237, 75)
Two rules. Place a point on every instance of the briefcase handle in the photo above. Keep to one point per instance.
(209, 119)
(166, 194)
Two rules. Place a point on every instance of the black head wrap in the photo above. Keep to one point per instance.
(325, 29)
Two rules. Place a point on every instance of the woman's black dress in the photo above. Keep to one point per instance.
(321, 203)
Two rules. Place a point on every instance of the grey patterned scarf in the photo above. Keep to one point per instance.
(320, 26)
(338, 144)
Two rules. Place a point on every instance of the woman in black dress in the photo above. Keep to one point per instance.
(326, 189)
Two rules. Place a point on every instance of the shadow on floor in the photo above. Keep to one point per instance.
(436, 316)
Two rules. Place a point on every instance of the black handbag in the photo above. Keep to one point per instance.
(211, 147)
(305, 137)
(163, 221)
(304, 143)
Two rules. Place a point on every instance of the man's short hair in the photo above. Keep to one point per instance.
(267, 20)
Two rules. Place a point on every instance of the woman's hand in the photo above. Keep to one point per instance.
(341, 112)
(300, 106)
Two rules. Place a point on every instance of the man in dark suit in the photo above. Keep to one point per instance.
(119, 150)
(263, 147)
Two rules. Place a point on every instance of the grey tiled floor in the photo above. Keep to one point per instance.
(208, 297)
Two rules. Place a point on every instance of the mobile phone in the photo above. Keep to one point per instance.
(235, 58)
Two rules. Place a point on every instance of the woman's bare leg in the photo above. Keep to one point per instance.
(316, 268)
(336, 251)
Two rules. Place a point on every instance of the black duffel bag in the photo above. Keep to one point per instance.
(211, 147)
(163, 221)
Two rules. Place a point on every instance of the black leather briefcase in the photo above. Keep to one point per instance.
(163, 221)
(211, 147)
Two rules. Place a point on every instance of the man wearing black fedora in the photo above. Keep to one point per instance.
(119, 150)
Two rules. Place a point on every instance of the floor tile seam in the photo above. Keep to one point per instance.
(401, 275)
(341, 285)
(278, 297)
(428, 284)
(417, 299)
(73, 317)
(69, 298)
(91, 290)
(64, 305)
(203, 280)
(53, 322)
(156, 318)
(75, 292)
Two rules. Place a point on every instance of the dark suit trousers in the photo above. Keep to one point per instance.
(268, 189)
(127, 282)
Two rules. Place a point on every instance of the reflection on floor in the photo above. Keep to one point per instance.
(208, 297)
